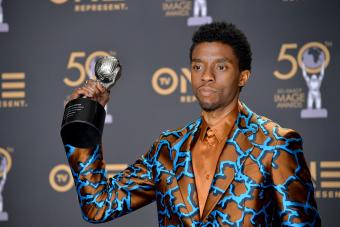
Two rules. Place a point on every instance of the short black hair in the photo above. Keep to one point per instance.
(226, 33)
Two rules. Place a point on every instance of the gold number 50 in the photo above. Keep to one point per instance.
(73, 63)
(285, 56)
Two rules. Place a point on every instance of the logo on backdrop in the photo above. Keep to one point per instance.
(5, 167)
(94, 5)
(61, 180)
(166, 81)
(81, 68)
(184, 8)
(313, 58)
(177, 8)
(291, 1)
(12, 87)
(200, 14)
(326, 179)
(3, 26)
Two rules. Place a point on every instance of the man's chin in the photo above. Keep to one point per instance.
(208, 107)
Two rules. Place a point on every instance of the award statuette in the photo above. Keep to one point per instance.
(3, 177)
(200, 7)
(3, 26)
(83, 120)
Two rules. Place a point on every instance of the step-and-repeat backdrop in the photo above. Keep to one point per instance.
(48, 48)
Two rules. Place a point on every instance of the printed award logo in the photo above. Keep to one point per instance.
(59, 2)
(3, 26)
(177, 8)
(200, 14)
(12, 93)
(313, 58)
(183, 8)
(326, 179)
(165, 81)
(81, 6)
(5, 166)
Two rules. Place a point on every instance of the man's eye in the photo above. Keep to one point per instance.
(196, 67)
(221, 67)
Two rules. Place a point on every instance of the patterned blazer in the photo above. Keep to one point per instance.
(261, 179)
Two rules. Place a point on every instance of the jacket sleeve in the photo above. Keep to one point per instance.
(292, 183)
(102, 199)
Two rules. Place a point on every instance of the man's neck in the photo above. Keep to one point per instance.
(213, 117)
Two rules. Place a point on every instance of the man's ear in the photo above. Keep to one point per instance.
(244, 77)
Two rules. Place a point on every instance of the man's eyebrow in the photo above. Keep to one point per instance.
(219, 60)
(196, 60)
(224, 60)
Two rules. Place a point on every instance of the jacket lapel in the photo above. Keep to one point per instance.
(237, 148)
(182, 165)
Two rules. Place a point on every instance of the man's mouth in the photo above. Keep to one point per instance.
(206, 90)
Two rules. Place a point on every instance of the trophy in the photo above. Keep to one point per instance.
(84, 119)
(313, 59)
(3, 171)
(3, 26)
(200, 7)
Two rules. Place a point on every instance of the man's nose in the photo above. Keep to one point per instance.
(208, 75)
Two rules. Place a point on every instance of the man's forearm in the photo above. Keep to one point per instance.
(103, 199)
(94, 191)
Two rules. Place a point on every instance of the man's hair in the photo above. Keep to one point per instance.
(226, 33)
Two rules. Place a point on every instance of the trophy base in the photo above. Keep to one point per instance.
(3, 216)
(4, 27)
(314, 113)
(197, 21)
(83, 123)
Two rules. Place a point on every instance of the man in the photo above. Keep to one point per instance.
(230, 167)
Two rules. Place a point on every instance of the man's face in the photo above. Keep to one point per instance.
(215, 75)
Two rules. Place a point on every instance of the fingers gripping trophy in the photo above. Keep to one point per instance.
(84, 115)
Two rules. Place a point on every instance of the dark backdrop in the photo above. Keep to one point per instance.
(51, 45)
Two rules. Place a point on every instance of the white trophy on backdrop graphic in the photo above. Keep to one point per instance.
(3, 26)
(312, 58)
(200, 14)
(3, 172)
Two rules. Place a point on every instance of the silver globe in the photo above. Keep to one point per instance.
(107, 71)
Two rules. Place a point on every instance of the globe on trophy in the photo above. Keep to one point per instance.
(313, 60)
(3, 26)
(108, 117)
(3, 172)
(200, 14)
(83, 120)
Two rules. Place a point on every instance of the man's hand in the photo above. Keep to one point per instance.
(92, 90)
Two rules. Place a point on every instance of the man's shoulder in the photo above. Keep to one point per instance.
(271, 129)
(259, 128)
